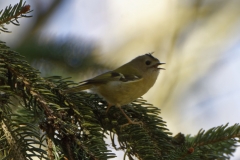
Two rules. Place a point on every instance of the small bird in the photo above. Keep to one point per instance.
(124, 84)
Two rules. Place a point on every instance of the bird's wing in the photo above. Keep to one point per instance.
(125, 77)
(103, 79)
(112, 76)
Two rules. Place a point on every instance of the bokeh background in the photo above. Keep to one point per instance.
(199, 41)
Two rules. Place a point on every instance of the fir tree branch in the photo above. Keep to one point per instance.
(136, 140)
(12, 14)
(15, 147)
(31, 85)
(215, 135)
(50, 149)
(216, 143)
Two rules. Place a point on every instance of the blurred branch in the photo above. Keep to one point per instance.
(41, 20)
(173, 48)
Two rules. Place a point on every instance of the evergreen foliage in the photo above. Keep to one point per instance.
(12, 14)
(38, 120)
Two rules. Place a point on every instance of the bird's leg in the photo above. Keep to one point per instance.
(109, 106)
(129, 120)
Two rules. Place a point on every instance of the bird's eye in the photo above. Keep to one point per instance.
(148, 62)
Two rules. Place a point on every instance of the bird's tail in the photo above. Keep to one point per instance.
(78, 88)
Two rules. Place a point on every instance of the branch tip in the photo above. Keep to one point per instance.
(25, 9)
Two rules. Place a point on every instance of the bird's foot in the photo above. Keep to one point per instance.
(140, 123)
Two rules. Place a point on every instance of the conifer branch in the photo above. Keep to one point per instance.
(12, 14)
(50, 149)
(216, 135)
(14, 145)
(217, 142)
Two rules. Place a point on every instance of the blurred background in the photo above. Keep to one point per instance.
(198, 40)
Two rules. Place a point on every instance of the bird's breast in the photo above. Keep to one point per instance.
(121, 93)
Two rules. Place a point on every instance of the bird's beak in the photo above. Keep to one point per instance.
(160, 64)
